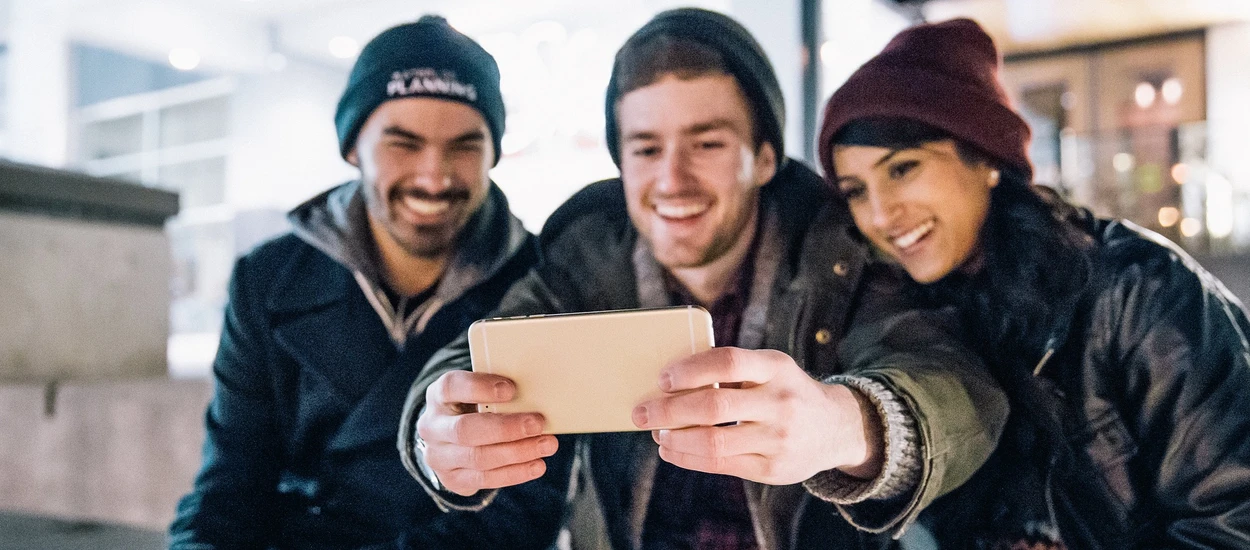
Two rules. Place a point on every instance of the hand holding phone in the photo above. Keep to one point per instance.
(585, 372)
(468, 451)
(755, 414)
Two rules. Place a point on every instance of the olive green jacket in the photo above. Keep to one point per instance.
(831, 306)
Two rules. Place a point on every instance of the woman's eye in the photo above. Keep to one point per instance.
(901, 169)
(852, 192)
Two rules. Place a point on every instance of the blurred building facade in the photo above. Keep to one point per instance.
(231, 105)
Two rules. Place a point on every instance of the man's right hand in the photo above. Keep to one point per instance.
(470, 451)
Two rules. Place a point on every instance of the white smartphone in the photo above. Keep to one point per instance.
(585, 372)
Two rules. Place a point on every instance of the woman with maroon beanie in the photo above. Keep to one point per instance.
(1127, 364)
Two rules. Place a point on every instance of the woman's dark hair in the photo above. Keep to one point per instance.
(1035, 258)
(1036, 261)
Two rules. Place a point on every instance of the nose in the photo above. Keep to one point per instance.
(674, 171)
(884, 208)
(432, 171)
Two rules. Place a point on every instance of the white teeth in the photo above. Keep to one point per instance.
(426, 207)
(681, 211)
(907, 239)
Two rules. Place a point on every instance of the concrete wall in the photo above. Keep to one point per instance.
(117, 452)
(81, 299)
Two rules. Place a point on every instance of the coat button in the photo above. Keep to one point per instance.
(314, 510)
(840, 269)
(823, 336)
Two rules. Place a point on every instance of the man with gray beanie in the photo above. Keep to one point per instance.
(828, 380)
(327, 326)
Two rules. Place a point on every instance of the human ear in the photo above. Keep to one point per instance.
(765, 164)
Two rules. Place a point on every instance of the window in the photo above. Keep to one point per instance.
(178, 139)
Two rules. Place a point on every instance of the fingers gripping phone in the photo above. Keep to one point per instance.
(585, 372)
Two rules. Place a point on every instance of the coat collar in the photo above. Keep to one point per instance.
(322, 319)
(336, 224)
(769, 268)
(311, 282)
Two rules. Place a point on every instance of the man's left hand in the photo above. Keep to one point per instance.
(768, 421)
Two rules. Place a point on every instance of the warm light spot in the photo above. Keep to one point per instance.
(1123, 162)
(828, 52)
(1190, 227)
(1144, 95)
(1219, 206)
(1168, 216)
(1180, 172)
(1172, 90)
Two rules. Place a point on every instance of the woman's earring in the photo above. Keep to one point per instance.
(994, 175)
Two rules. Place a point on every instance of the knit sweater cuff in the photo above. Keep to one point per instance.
(902, 467)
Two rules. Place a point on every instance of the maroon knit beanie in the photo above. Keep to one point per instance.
(944, 75)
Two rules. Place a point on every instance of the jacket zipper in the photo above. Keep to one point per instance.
(1050, 351)
(395, 327)
(1050, 466)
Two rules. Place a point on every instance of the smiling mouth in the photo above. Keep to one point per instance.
(682, 211)
(910, 238)
(427, 207)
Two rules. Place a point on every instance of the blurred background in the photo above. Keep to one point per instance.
(144, 145)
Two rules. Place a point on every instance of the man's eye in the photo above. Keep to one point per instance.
(467, 147)
(646, 151)
(404, 145)
(711, 144)
(901, 169)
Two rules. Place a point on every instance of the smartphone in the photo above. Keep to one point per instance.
(585, 372)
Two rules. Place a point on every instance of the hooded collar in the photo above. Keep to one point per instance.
(336, 223)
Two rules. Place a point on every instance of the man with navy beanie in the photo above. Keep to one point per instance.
(427, 58)
(328, 325)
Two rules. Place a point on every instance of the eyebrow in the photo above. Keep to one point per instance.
(884, 159)
(467, 137)
(846, 179)
(396, 131)
(887, 157)
(470, 136)
(716, 124)
(698, 128)
(641, 135)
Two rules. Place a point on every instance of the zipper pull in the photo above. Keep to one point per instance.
(1050, 350)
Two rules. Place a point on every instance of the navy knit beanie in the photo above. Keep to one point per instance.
(942, 74)
(743, 56)
(427, 58)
